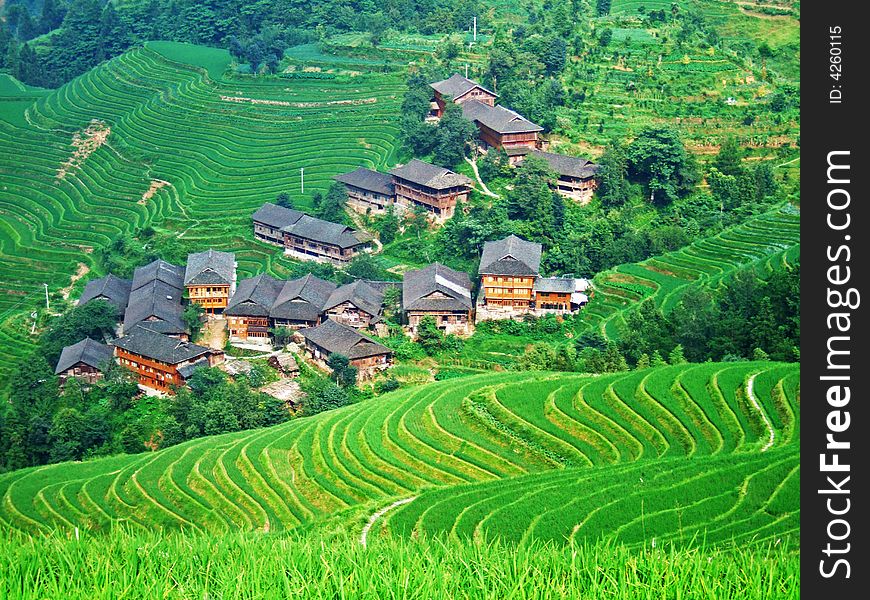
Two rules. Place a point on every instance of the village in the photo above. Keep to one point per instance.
(320, 318)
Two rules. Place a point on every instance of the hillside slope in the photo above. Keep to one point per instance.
(146, 139)
(476, 429)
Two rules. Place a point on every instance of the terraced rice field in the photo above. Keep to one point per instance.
(516, 455)
(765, 243)
(145, 139)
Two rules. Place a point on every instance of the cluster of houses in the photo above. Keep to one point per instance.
(437, 189)
(153, 338)
(323, 317)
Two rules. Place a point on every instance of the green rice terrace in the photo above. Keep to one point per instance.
(524, 457)
(764, 244)
(156, 136)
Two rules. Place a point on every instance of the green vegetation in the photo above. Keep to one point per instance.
(319, 566)
(473, 429)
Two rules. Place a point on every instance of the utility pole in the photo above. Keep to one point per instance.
(475, 29)
(302, 180)
(46, 296)
(466, 71)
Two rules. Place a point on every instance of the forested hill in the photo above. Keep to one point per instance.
(48, 42)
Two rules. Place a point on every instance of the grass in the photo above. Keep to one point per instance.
(143, 564)
(461, 445)
(214, 60)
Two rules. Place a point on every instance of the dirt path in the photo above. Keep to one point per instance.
(751, 395)
(483, 188)
(214, 333)
(357, 221)
(378, 515)
(81, 272)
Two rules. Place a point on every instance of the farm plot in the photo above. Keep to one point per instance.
(467, 448)
(174, 154)
(765, 243)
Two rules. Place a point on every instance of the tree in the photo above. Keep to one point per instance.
(192, 317)
(602, 7)
(364, 266)
(495, 163)
(613, 189)
(388, 226)
(605, 37)
(343, 373)
(96, 320)
(429, 336)
(658, 159)
(66, 435)
(52, 15)
(453, 135)
(114, 34)
(393, 303)
(283, 200)
(325, 395)
(331, 208)
(281, 335)
(728, 159)
(676, 356)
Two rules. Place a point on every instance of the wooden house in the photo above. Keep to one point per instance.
(368, 191)
(508, 270)
(499, 127)
(157, 306)
(553, 293)
(439, 292)
(159, 270)
(300, 302)
(331, 337)
(307, 238)
(357, 305)
(575, 176)
(324, 241)
(270, 220)
(210, 279)
(161, 362)
(435, 188)
(248, 310)
(84, 360)
(110, 289)
(458, 89)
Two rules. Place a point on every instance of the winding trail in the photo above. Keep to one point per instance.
(483, 188)
(378, 515)
(751, 395)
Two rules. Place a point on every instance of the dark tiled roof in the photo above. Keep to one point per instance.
(510, 256)
(327, 232)
(211, 267)
(302, 299)
(187, 370)
(110, 288)
(498, 118)
(568, 166)
(358, 293)
(254, 297)
(337, 338)
(433, 176)
(156, 300)
(157, 346)
(87, 351)
(159, 270)
(421, 285)
(366, 179)
(562, 285)
(457, 86)
(276, 216)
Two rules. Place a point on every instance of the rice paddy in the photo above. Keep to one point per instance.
(520, 457)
